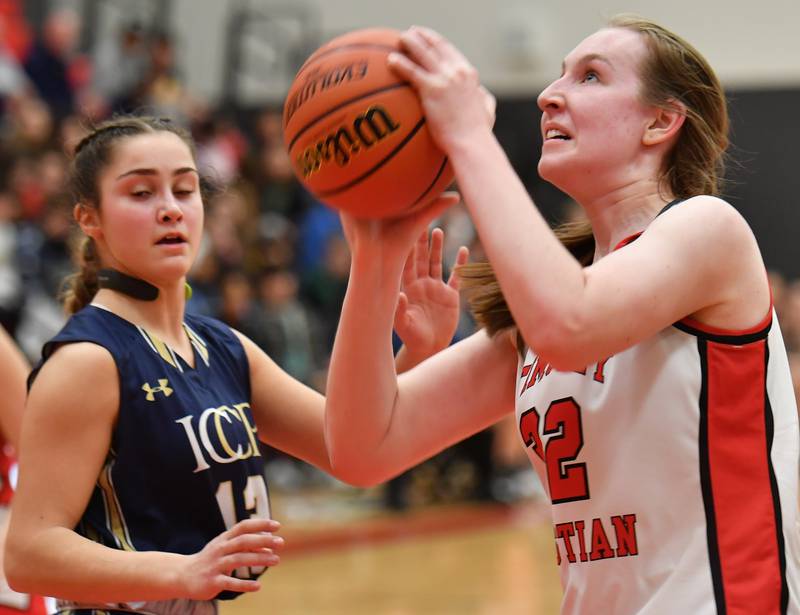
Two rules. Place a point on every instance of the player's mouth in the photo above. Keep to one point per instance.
(556, 134)
(172, 239)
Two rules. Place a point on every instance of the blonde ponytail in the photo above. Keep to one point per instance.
(484, 295)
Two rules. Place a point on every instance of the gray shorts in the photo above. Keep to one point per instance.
(166, 607)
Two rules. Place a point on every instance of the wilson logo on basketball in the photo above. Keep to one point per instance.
(367, 130)
(321, 81)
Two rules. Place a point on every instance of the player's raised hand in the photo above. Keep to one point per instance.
(393, 238)
(428, 306)
(248, 544)
(455, 103)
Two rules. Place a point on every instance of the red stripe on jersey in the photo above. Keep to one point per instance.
(7, 462)
(35, 605)
(626, 241)
(739, 466)
(703, 327)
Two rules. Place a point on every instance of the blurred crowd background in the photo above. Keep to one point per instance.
(273, 261)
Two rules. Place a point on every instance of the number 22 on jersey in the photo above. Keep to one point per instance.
(568, 480)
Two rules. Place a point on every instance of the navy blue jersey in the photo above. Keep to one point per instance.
(184, 462)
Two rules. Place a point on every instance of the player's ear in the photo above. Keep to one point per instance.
(665, 123)
(88, 218)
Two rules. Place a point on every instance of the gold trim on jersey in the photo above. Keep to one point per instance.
(91, 533)
(198, 343)
(166, 353)
(161, 348)
(115, 520)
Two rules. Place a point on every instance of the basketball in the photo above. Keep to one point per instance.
(356, 133)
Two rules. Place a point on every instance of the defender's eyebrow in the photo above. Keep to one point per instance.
(180, 171)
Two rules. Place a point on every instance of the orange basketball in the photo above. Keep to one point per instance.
(356, 133)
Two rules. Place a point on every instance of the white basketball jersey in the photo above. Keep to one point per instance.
(672, 468)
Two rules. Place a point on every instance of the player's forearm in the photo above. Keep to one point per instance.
(58, 562)
(519, 243)
(362, 382)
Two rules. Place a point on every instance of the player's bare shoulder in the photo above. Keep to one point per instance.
(81, 375)
(718, 243)
(80, 356)
(705, 216)
(709, 232)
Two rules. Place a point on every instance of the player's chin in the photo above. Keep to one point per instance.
(550, 168)
(171, 268)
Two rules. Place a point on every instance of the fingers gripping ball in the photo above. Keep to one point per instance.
(356, 133)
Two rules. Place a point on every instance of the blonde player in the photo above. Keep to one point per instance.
(647, 369)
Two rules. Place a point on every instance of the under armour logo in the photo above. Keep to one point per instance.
(163, 387)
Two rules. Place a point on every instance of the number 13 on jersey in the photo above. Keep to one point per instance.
(256, 499)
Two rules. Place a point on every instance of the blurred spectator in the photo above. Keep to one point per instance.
(70, 133)
(319, 224)
(324, 286)
(28, 126)
(11, 290)
(52, 172)
(229, 227)
(790, 315)
(777, 285)
(24, 184)
(220, 146)
(161, 91)
(203, 277)
(236, 295)
(52, 65)
(164, 87)
(285, 324)
(269, 127)
(794, 367)
(276, 247)
(44, 249)
(13, 80)
(279, 191)
(238, 308)
(35, 179)
(121, 64)
(269, 170)
(16, 35)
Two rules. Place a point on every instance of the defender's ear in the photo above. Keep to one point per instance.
(88, 218)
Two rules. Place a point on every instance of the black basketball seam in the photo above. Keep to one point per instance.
(433, 183)
(387, 88)
(347, 47)
(388, 157)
